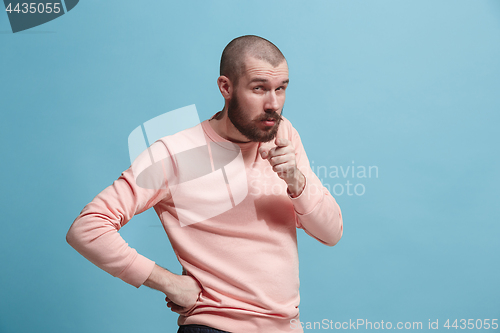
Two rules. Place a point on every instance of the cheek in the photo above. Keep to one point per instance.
(282, 97)
(252, 102)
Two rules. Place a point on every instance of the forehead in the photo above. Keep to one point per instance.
(256, 68)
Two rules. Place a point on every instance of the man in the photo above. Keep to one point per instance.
(240, 267)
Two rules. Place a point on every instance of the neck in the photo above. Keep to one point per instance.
(223, 126)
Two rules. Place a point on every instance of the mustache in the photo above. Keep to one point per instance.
(272, 115)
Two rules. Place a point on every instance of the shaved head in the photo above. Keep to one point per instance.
(232, 63)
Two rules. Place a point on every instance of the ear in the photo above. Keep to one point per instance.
(225, 86)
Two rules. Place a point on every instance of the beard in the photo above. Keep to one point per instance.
(250, 127)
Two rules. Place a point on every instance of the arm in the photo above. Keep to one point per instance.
(316, 210)
(94, 233)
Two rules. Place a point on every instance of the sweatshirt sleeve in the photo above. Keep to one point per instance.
(316, 210)
(94, 233)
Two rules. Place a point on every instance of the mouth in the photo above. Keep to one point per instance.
(269, 122)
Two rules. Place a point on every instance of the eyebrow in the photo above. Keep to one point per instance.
(262, 80)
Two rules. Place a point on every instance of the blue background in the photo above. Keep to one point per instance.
(411, 87)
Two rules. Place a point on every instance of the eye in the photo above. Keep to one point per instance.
(259, 89)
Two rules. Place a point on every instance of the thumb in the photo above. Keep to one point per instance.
(265, 148)
(281, 142)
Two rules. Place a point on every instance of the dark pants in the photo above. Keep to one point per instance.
(198, 329)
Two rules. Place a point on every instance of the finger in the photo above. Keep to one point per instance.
(279, 159)
(177, 308)
(173, 306)
(167, 299)
(265, 147)
(281, 142)
(280, 151)
(283, 168)
(264, 153)
(271, 153)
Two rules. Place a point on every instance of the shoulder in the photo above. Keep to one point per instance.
(184, 140)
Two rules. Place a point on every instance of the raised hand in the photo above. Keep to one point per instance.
(283, 162)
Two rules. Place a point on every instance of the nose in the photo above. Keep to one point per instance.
(272, 102)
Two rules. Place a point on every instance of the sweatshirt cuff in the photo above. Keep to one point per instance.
(307, 200)
(138, 271)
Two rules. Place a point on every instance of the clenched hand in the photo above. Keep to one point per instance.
(282, 159)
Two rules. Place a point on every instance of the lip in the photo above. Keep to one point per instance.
(269, 122)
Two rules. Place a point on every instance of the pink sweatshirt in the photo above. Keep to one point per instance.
(245, 258)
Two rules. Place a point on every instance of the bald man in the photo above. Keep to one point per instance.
(240, 267)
